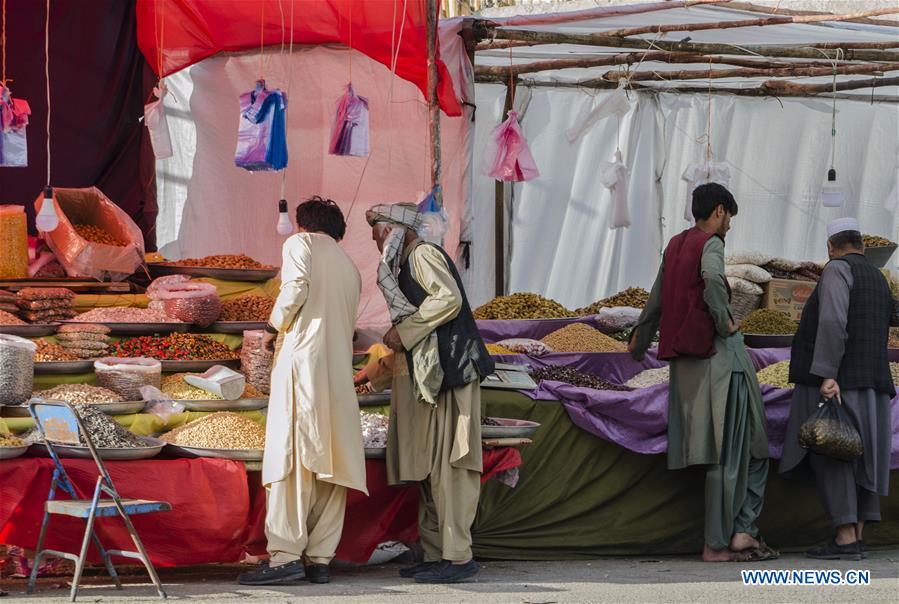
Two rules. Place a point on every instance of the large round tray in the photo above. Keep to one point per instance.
(14, 411)
(374, 399)
(64, 367)
(12, 452)
(124, 408)
(225, 274)
(155, 446)
(30, 331)
(379, 453)
(509, 428)
(236, 454)
(139, 329)
(756, 340)
(241, 404)
(197, 366)
(234, 327)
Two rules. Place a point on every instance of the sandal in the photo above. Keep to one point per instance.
(760, 554)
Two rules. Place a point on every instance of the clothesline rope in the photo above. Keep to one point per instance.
(3, 44)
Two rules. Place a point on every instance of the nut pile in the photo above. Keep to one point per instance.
(80, 393)
(495, 349)
(633, 297)
(48, 351)
(650, 377)
(522, 306)
(8, 440)
(894, 338)
(777, 375)
(123, 314)
(7, 318)
(175, 347)
(374, 430)
(575, 378)
(84, 340)
(239, 261)
(96, 234)
(105, 432)
(894, 370)
(876, 241)
(247, 308)
(579, 337)
(45, 304)
(767, 321)
(8, 304)
(177, 389)
(222, 430)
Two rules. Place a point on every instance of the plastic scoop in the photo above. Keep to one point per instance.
(221, 381)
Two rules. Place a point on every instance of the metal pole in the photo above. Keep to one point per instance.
(433, 102)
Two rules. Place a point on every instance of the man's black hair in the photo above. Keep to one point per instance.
(847, 240)
(318, 215)
(709, 196)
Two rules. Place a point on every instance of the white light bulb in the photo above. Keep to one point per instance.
(833, 194)
(47, 220)
(285, 226)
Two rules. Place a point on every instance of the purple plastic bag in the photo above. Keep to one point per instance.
(349, 133)
(509, 153)
(262, 133)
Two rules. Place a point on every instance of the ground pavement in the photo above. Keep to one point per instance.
(618, 580)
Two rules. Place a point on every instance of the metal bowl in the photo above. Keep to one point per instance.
(757, 340)
(379, 453)
(235, 327)
(12, 452)
(64, 367)
(197, 366)
(139, 329)
(38, 330)
(241, 404)
(225, 274)
(154, 446)
(509, 428)
(235, 454)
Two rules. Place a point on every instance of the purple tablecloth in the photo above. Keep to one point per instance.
(494, 331)
(638, 419)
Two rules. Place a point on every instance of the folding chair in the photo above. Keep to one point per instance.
(58, 422)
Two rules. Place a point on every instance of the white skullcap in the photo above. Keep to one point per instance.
(842, 224)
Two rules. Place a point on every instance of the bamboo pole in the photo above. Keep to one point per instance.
(784, 51)
(433, 101)
(780, 87)
(784, 72)
(657, 29)
(780, 9)
(600, 12)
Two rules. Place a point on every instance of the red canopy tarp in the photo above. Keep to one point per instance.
(192, 30)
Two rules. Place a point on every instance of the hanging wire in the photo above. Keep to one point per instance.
(262, 43)
(286, 62)
(350, 54)
(3, 45)
(47, 76)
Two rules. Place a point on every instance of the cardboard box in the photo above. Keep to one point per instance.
(787, 296)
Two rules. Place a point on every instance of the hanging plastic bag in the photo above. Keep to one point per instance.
(508, 153)
(13, 120)
(700, 174)
(349, 133)
(615, 103)
(158, 125)
(262, 134)
(614, 176)
(159, 404)
(829, 432)
(434, 221)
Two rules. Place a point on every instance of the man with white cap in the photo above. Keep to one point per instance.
(840, 351)
(435, 421)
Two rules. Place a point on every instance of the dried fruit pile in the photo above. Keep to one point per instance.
(876, 241)
(247, 308)
(634, 297)
(123, 314)
(45, 304)
(575, 378)
(223, 430)
(48, 351)
(522, 306)
(579, 337)
(177, 389)
(769, 322)
(10, 319)
(97, 234)
(777, 375)
(80, 393)
(894, 370)
(241, 261)
(175, 347)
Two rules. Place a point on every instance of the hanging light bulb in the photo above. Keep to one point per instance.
(833, 194)
(285, 226)
(47, 220)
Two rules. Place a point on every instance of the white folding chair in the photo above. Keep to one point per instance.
(58, 423)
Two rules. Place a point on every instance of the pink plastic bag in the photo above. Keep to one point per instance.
(509, 153)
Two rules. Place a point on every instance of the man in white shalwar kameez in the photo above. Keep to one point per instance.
(313, 444)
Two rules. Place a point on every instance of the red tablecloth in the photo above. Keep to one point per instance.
(218, 510)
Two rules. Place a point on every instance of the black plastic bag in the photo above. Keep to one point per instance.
(829, 432)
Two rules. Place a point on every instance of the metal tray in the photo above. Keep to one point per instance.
(123, 408)
(379, 453)
(197, 366)
(235, 327)
(152, 450)
(374, 399)
(241, 404)
(756, 340)
(64, 367)
(236, 454)
(14, 411)
(12, 452)
(38, 330)
(138, 329)
(510, 428)
(225, 274)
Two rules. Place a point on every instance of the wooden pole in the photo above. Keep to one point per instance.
(782, 9)
(796, 52)
(784, 72)
(657, 29)
(433, 101)
(499, 212)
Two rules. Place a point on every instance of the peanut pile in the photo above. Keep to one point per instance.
(8, 440)
(894, 370)
(80, 393)
(239, 261)
(579, 337)
(876, 241)
(47, 351)
(177, 389)
(10, 319)
(96, 234)
(247, 308)
(777, 375)
(522, 306)
(124, 314)
(634, 297)
(223, 430)
(495, 349)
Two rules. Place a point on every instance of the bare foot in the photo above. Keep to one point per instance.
(711, 555)
(741, 542)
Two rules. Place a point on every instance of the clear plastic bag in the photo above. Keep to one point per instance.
(159, 404)
(829, 432)
(534, 348)
(126, 377)
(256, 361)
(16, 369)
(617, 318)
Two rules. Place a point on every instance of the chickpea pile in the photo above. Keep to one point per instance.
(233, 261)
(96, 234)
